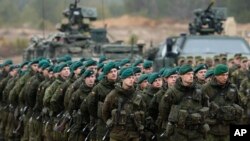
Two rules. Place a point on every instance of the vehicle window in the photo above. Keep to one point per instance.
(206, 46)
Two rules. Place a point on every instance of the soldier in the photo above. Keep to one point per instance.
(138, 63)
(64, 72)
(123, 110)
(238, 75)
(244, 93)
(97, 96)
(6, 67)
(142, 83)
(13, 70)
(155, 82)
(223, 103)
(209, 75)
(169, 79)
(236, 63)
(147, 67)
(199, 74)
(185, 99)
(137, 72)
(31, 96)
(209, 62)
(124, 63)
(78, 101)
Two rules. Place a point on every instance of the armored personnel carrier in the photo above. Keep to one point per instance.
(78, 39)
(205, 39)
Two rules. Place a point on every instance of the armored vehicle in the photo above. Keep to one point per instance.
(204, 40)
(78, 39)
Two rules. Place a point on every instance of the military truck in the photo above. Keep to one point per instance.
(78, 39)
(205, 39)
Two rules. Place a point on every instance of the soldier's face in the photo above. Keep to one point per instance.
(93, 68)
(137, 75)
(144, 84)
(13, 72)
(45, 72)
(244, 64)
(90, 81)
(34, 67)
(148, 70)
(129, 81)
(112, 75)
(187, 78)
(201, 74)
(172, 79)
(65, 72)
(157, 83)
(222, 79)
(25, 67)
(7, 68)
(77, 71)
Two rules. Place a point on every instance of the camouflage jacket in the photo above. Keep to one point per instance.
(224, 106)
(187, 98)
(125, 110)
(98, 94)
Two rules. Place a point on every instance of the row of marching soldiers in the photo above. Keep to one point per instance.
(121, 100)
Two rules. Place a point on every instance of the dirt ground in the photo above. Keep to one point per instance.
(121, 28)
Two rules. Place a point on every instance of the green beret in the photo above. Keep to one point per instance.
(200, 67)
(51, 68)
(147, 64)
(56, 69)
(24, 63)
(90, 62)
(137, 62)
(12, 67)
(124, 61)
(42, 62)
(7, 62)
(75, 65)
(100, 66)
(127, 73)
(83, 59)
(67, 57)
(220, 69)
(185, 69)
(109, 66)
(209, 73)
(161, 71)
(121, 70)
(169, 72)
(45, 65)
(136, 69)
(61, 66)
(69, 63)
(88, 73)
(153, 76)
(35, 61)
(142, 78)
(102, 58)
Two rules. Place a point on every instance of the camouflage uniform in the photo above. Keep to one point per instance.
(237, 76)
(4, 106)
(187, 102)
(96, 99)
(78, 103)
(125, 110)
(46, 102)
(30, 95)
(244, 93)
(11, 120)
(223, 101)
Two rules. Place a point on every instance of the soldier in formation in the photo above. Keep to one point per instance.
(45, 100)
